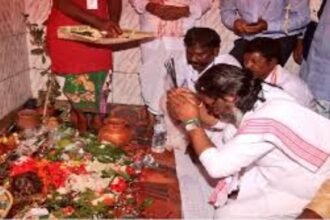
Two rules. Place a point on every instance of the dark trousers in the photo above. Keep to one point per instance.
(286, 43)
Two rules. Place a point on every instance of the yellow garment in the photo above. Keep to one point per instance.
(321, 201)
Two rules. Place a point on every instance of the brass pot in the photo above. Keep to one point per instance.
(116, 131)
(28, 119)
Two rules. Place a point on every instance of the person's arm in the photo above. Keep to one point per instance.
(299, 17)
(115, 9)
(209, 120)
(194, 10)
(81, 15)
(168, 12)
(298, 50)
(309, 214)
(252, 29)
(231, 158)
(228, 13)
(233, 21)
(319, 207)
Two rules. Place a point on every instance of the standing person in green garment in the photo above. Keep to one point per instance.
(85, 67)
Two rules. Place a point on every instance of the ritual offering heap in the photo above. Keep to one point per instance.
(52, 171)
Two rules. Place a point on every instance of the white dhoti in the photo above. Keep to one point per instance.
(153, 74)
(168, 43)
(195, 188)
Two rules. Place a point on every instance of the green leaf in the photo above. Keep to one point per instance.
(126, 176)
(109, 173)
(146, 203)
(55, 155)
(104, 153)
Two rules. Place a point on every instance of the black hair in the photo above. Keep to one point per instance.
(267, 47)
(222, 79)
(202, 36)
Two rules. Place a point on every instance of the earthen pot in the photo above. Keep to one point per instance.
(28, 119)
(116, 131)
(50, 110)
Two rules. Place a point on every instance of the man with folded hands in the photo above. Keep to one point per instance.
(279, 155)
(202, 51)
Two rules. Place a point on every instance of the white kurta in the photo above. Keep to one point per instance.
(290, 83)
(187, 170)
(293, 85)
(169, 43)
(187, 77)
(280, 177)
(195, 187)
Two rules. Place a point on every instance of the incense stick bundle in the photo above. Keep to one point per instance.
(170, 68)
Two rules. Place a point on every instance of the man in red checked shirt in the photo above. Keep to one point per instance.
(85, 67)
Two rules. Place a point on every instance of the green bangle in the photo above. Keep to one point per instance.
(192, 124)
(195, 121)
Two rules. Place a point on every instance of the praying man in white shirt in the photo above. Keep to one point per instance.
(202, 51)
(281, 150)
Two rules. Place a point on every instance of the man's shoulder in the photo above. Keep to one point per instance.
(270, 93)
(276, 108)
(227, 59)
(289, 78)
(286, 73)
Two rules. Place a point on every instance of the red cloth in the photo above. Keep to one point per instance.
(69, 57)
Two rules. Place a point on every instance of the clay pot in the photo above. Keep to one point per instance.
(116, 131)
(28, 119)
(50, 110)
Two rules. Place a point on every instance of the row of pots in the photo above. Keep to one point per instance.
(114, 130)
